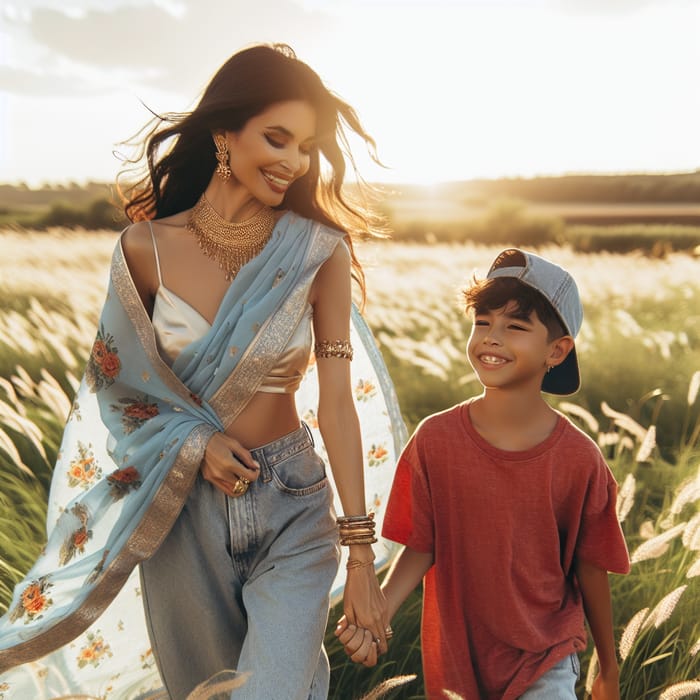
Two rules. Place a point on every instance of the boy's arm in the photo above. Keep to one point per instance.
(406, 572)
(597, 604)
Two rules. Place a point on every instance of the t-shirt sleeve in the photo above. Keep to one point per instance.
(600, 539)
(408, 517)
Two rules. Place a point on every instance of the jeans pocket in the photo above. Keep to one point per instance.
(575, 665)
(302, 474)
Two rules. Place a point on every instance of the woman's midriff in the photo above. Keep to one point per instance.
(265, 418)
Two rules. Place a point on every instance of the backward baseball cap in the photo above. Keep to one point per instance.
(559, 288)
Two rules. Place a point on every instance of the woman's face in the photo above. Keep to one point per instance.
(272, 150)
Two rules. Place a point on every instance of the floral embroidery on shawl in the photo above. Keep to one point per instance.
(77, 539)
(122, 481)
(104, 364)
(135, 411)
(83, 469)
(33, 602)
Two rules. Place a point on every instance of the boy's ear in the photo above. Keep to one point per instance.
(561, 347)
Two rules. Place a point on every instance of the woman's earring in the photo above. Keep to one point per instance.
(223, 169)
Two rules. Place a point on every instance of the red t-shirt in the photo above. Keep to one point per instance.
(501, 605)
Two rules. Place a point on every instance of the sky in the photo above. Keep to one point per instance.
(450, 89)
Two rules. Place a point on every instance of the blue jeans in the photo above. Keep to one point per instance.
(559, 683)
(243, 583)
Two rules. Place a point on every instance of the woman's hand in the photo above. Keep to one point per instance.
(226, 461)
(364, 604)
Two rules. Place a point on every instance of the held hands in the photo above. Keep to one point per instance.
(358, 643)
(364, 627)
(228, 465)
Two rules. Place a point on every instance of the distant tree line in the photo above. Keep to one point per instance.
(95, 204)
(101, 213)
(675, 188)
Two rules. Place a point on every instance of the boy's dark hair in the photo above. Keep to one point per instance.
(489, 294)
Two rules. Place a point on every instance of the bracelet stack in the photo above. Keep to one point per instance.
(356, 529)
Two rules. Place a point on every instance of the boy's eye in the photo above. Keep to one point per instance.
(480, 322)
(516, 327)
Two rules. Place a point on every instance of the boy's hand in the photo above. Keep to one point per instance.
(357, 642)
(606, 688)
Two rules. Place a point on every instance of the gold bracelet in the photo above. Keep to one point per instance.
(359, 540)
(357, 564)
(333, 348)
(347, 519)
(358, 524)
(356, 532)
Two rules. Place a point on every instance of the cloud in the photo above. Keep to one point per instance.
(150, 44)
(613, 7)
(46, 83)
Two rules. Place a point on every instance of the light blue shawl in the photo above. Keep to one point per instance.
(132, 447)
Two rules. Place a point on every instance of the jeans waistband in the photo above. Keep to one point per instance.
(283, 447)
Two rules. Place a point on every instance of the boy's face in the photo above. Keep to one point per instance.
(509, 349)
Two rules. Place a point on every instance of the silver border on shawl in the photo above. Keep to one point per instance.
(259, 357)
(144, 540)
(130, 300)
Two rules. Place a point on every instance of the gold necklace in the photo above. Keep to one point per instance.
(232, 245)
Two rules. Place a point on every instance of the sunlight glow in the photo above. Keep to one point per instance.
(465, 89)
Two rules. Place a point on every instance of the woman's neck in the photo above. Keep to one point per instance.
(232, 201)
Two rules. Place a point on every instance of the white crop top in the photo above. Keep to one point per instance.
(176, 324)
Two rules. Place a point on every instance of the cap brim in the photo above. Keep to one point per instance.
(564, 379)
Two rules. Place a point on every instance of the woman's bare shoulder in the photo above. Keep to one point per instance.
(137, 239)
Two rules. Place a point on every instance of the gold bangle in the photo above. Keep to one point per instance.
(333, 348)
(357, 564)
(357, 524)
(343, 519)
(356, 532)
(359, 540)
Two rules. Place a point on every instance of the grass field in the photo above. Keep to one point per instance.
(640, 359)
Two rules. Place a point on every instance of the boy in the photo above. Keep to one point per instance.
(507, 509)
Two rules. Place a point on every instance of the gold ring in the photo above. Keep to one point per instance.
(378, 640)
(388, 632)
(240, 487)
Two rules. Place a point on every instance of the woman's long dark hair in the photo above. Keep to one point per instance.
(249, 82)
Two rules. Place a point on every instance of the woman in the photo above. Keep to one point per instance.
(240, 252)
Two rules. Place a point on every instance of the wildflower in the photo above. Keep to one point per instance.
(694, 569)
(685, 689)
(580, 412)
(687, 492)
(655, 547)
(693, 387)
(592, 671)
(648, 444)
(625, 497)
(691, 534)
(664, 608)
(391, 683)
(629, 635)
(622, 420)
